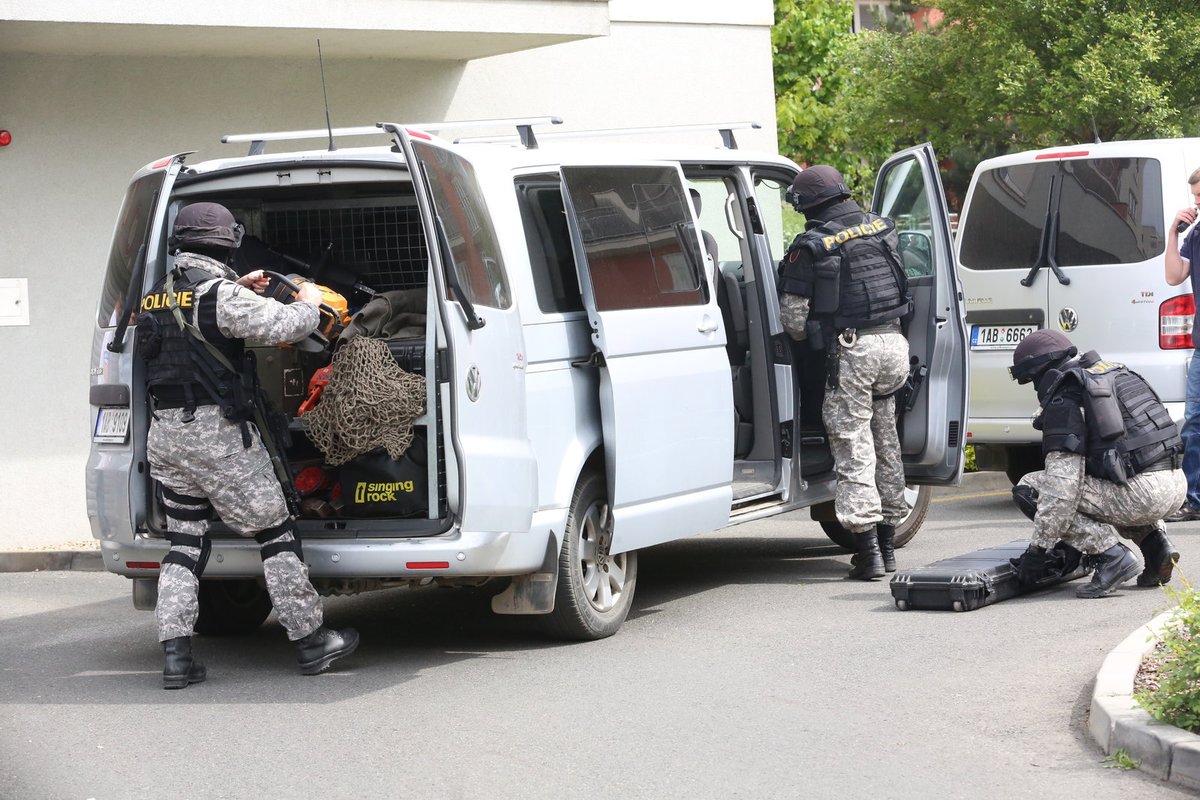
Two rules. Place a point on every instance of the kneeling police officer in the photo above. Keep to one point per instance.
(205, 451)
(1112, 465)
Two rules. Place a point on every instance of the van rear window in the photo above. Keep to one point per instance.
(1109, 211)
(133, 224)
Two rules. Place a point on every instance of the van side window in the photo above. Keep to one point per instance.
(133, 225)
(460, 206)
(642, 247)
(549, 241)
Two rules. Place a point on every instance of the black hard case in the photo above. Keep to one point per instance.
(969, 581)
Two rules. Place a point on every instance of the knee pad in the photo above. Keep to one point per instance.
(269, 548)
(1026, 498)
(194, 565)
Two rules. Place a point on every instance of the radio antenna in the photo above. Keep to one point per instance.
(325, 95)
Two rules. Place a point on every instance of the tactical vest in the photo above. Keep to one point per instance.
(1128, 428)
(181, 372)
(858, 281)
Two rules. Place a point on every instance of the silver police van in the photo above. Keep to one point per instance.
(1073, 238)
(604, 364)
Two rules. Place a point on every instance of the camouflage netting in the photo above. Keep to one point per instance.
(369, 402)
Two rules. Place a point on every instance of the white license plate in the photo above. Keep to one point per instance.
(112, 426)
(999, 337)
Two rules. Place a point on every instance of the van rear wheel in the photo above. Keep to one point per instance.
(917, 498)
(595, 588)
(232, 607)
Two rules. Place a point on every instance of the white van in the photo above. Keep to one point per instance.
(595, 383)
(1071, 237)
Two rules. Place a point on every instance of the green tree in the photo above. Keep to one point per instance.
(810, 40)
(1001, 75)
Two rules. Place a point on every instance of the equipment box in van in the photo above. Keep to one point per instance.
(1072, 238)
(603, 363)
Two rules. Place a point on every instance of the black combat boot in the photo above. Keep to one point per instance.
(1113, 567)
(180, 669)
(887, 545)
(1160, 557)
(319, 649)
(868, 561)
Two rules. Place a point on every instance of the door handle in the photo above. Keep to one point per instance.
(707, 324)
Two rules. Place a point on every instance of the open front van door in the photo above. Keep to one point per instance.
(666, 396)
(496, 465)
(909, 191)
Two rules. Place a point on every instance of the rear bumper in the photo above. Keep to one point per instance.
(455, 554)
(1019, 430)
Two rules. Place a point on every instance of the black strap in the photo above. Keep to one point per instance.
(196, 509)
(194, 565)
(269, 548)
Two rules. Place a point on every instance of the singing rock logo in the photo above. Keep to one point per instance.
(381, 492)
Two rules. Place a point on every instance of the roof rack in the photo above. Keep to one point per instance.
(258, 141)
(726, 130)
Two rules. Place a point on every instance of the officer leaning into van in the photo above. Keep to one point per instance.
(205, 451)
(1112, 466)
(824, 299)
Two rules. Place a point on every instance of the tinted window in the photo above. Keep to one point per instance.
(460, 206)
(133, 224)
(904, 199)
(1110, 212)
(549, 241)
(641, 245)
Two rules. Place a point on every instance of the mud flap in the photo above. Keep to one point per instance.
(532, 593)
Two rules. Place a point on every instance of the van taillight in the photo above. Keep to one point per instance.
(1175, 322)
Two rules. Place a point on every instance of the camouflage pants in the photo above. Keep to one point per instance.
(205, 458)
(1104, 511)
(861, 425)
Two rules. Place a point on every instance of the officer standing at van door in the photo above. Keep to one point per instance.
(204, 449)
(1112, 465)
(1178, 260)
(843, 290)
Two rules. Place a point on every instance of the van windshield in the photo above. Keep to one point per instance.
(1110, 211)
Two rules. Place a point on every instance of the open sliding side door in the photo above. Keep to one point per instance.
(909, 191)
(666, 395)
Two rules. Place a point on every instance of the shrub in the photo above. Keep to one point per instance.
(1175, 699)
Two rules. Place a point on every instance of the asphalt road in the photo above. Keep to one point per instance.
(748, 668)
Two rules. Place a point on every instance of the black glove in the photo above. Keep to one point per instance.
(1032, 566)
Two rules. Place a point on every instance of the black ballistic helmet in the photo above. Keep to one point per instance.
(816, 186)
(206, 225)
(1037, 351)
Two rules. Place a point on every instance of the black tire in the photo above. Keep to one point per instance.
(595, 590)
(919, 498)
(231, 608)
(1023, 460)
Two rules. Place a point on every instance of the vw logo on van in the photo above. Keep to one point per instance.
(473, 381)
(1068, 320)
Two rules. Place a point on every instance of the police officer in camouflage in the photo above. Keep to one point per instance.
(843, 290)
(1112, 466)
(206, 452)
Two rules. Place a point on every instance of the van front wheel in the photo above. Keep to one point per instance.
(595, 588)
(917, 498)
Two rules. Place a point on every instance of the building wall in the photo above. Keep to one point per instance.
(82, 124)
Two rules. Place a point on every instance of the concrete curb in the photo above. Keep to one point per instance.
(1118, 723)
(51, 560)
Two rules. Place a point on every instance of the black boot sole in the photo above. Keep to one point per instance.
(1133, 569)
(1161, 576)
(322, 663)
(182, 681)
